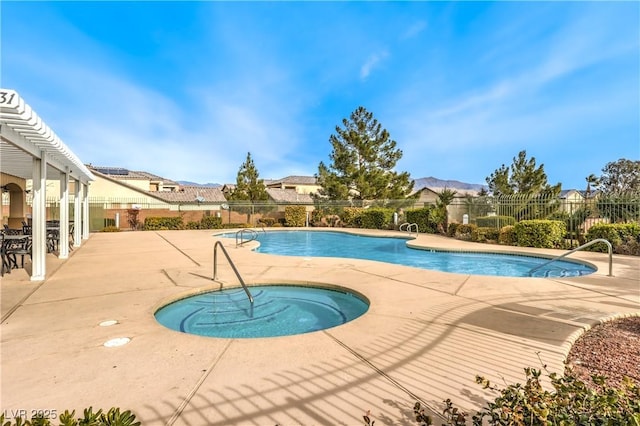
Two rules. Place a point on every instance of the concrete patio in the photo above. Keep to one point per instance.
(425, 337)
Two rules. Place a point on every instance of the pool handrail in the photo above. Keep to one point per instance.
(585, 245)
(408, 227)
(233, 266)
(253, 236)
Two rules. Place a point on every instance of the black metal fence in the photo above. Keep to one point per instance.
(578, 213)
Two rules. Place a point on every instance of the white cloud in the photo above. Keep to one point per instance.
(372, 61)
(414, 30)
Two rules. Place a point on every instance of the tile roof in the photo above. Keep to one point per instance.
(300, 180)
(189, 194)
(288, 196)
(126, 174)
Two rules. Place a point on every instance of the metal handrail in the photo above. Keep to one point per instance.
(240, 233)
(408, 227)
(590, 243)
(233, 266)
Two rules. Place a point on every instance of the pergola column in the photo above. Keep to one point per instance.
(39, 219)
(77, 214)
(85, 211)
(63, 248)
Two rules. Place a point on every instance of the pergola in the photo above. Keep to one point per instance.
(29, 149)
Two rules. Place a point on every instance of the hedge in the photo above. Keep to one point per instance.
(351, 216)
(507, 235)
(540, 233)
(485, 234)
(425, 217)
(618, 234)
(295, 215)
(162, 223)
(376, 218)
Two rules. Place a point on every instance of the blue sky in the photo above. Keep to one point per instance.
(185, 89)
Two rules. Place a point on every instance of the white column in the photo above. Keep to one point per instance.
(85, 211)
(77, 215)
(39, 219)
(63, 248)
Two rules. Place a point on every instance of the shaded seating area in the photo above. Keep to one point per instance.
(33, 156)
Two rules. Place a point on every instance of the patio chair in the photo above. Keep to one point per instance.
(13, 248)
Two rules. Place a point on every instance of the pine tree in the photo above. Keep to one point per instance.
(249, 187)
(523, 177)
(362, 163)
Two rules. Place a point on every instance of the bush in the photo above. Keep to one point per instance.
(210, 222)
(112, 417)
(376, 218)
(163, 223)
(485, 235)
(540, 233)
(350, 216)
(571, 403)
(507, 235)
(267, 221)
(451, 232)
(295, 215)
(192, 225)
(495, 221)
(465, 232)
(111, 228)
(427, 218)
(620, 235)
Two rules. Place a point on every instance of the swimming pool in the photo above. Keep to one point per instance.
(277, 310)
(395, 250)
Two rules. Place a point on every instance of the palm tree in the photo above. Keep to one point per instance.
(591, 180)
(445, 197)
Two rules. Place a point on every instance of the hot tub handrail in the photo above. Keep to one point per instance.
(233, 266)
(585, 245)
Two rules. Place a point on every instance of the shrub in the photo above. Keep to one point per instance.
(111, 228)
(485, 234)
(112, 417)
(295, 215)
(540, 233)
(571, 402)
(507, 235)
(495, 221)
(618, 234)
(376, 218)
(192, 225)
(451, 232)
(163, 223)
(465, 232)
(350, 216)
(426, 218)
(267, 221)
(210, 222)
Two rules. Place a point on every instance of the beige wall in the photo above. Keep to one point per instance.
(14, 201)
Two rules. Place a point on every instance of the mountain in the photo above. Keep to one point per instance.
(208, 185)
(432, 182)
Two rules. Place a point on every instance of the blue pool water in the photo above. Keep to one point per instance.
(277, 310)
(395, 250)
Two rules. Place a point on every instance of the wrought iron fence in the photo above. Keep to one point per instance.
(578, 214)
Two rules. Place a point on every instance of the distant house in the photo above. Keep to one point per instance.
(300, 184)
(288, 196)
(429, 194)
(117, 192)
(572, 199)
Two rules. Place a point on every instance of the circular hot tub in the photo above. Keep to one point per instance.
(277, 310)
